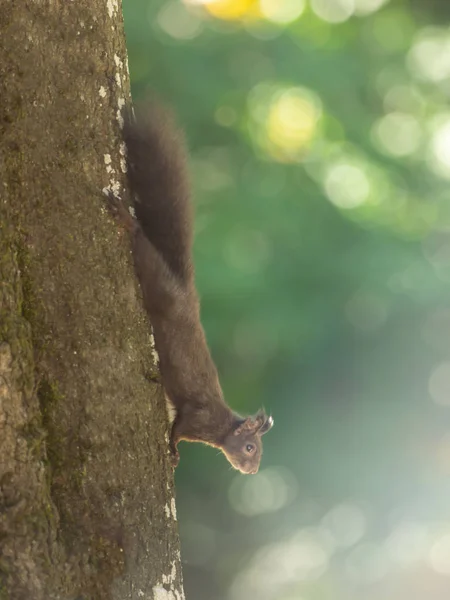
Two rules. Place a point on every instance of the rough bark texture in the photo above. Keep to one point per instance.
(86, 488)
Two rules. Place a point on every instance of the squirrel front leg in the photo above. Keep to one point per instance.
(181, 430)
(174, 439)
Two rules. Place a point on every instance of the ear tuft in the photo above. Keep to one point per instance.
(266, 426)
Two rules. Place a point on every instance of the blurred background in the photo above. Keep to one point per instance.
(319, 135)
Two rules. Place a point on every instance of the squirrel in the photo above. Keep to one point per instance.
(162, 236)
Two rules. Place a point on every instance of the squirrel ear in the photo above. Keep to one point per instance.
(248, 425)
(259, 424)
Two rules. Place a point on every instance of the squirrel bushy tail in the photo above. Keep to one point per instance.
(160, 184)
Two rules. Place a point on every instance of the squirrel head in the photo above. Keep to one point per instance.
(243, 445)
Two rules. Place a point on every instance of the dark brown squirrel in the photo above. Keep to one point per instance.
(162, 236)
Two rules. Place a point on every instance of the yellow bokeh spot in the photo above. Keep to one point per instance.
(233, 9)
(292, 123)
(282, 11)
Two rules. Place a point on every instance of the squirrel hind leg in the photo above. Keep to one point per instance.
(160, 287)
(117, 208)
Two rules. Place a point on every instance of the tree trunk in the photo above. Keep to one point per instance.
(86, 488)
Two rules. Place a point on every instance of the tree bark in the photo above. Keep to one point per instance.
(87, 505)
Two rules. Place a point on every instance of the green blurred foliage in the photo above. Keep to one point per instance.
(320, 159)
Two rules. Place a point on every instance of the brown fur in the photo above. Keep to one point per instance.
(162, 249)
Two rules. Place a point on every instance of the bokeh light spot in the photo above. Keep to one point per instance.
(367, 564)
(346, 185)
(429, 57)
(442, 455)
(333, 11)
(436, 249)
(282, 11)
(408, 543)
(303, 557)
(267, 491)
(439, 384)
(440, 555)
(366, 7)
(436, 330)
(440, 150)
(398, 134)
(230, 9)
(392, 31)
(403, 98)
(285, 120)
(225, 116)
(292, 121)
(178, 22)
(346, 523)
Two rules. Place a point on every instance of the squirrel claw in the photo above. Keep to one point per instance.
(119, 211)
(112, 199)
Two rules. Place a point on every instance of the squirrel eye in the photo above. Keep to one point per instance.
(249, 448)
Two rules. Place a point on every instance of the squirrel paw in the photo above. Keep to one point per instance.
(117, 208)
(174, 457)
(114, 202)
